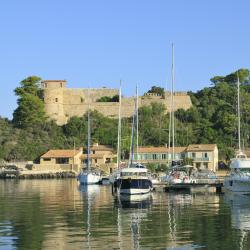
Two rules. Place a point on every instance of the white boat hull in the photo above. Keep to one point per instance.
(88, 178)
(240, 185)
(134, 191)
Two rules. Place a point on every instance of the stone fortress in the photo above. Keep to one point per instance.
(62, 103)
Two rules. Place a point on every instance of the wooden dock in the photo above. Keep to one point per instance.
(218, 185)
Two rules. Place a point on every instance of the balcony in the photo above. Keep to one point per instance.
(201, 159)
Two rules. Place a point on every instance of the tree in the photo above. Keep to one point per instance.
(115, 98)
(157, 90)
(30, 111)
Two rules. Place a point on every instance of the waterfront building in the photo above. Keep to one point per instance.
(203, 156)
(61, 159)
(101, 156)
(158, 154)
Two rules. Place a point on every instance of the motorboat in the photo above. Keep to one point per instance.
(239, 178)
(203, 176)
(178, 175)
(134, 180)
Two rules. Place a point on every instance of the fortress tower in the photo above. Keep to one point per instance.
(54, 100)
(61, 103)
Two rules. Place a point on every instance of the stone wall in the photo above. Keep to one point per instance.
(62, 103)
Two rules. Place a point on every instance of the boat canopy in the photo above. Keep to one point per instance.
(240, 163)
(135, 170)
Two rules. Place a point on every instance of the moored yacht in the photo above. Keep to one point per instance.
(239, 178)
(179, 174)
(134, 180)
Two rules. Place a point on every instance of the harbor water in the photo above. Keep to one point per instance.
(60, 214)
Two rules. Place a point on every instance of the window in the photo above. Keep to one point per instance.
(154, 156)
(95, 160)
(56, 100)
(62, 160)
(108, 160)
(47, 159)
(61, 84)
(164, 156)
(45, 85)
(205, 155)
(193, 155)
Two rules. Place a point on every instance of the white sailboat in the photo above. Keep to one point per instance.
(177, 174)
(89, 175)
(239, 178)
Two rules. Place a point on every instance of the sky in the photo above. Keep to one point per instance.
(96, 43)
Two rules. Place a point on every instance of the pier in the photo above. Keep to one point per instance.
(218, 185)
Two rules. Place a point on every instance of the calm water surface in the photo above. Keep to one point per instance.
(58, 214)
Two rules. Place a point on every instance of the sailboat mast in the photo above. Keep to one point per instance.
(88, 145)
(172, 104)
(137, 124)
(238, 111)
(169, 128)
(132, 137)
(119, 127)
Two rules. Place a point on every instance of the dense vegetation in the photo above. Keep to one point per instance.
(115, 98)
(157, 90)
(212, 119)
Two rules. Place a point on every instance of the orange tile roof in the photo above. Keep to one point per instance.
(60, 153)
(160, 149)
(101, 148)
(92, 156)
(201, 147)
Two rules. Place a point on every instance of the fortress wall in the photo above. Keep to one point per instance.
(62, 103)
(147, 100)
(182, 101)
(72, 96)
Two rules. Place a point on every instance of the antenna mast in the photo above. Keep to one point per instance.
(137, 124)
(119, 127)
(88, 146)
(238, 102)
(172, 103)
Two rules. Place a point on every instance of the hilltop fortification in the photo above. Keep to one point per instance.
(61, 102)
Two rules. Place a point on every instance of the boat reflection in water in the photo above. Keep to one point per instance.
(240, 215)
(134, 201)
(132, 210)
(89, 192)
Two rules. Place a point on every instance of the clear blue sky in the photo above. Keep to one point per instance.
(97, 43)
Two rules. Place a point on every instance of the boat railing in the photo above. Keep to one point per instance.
(241, 155)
